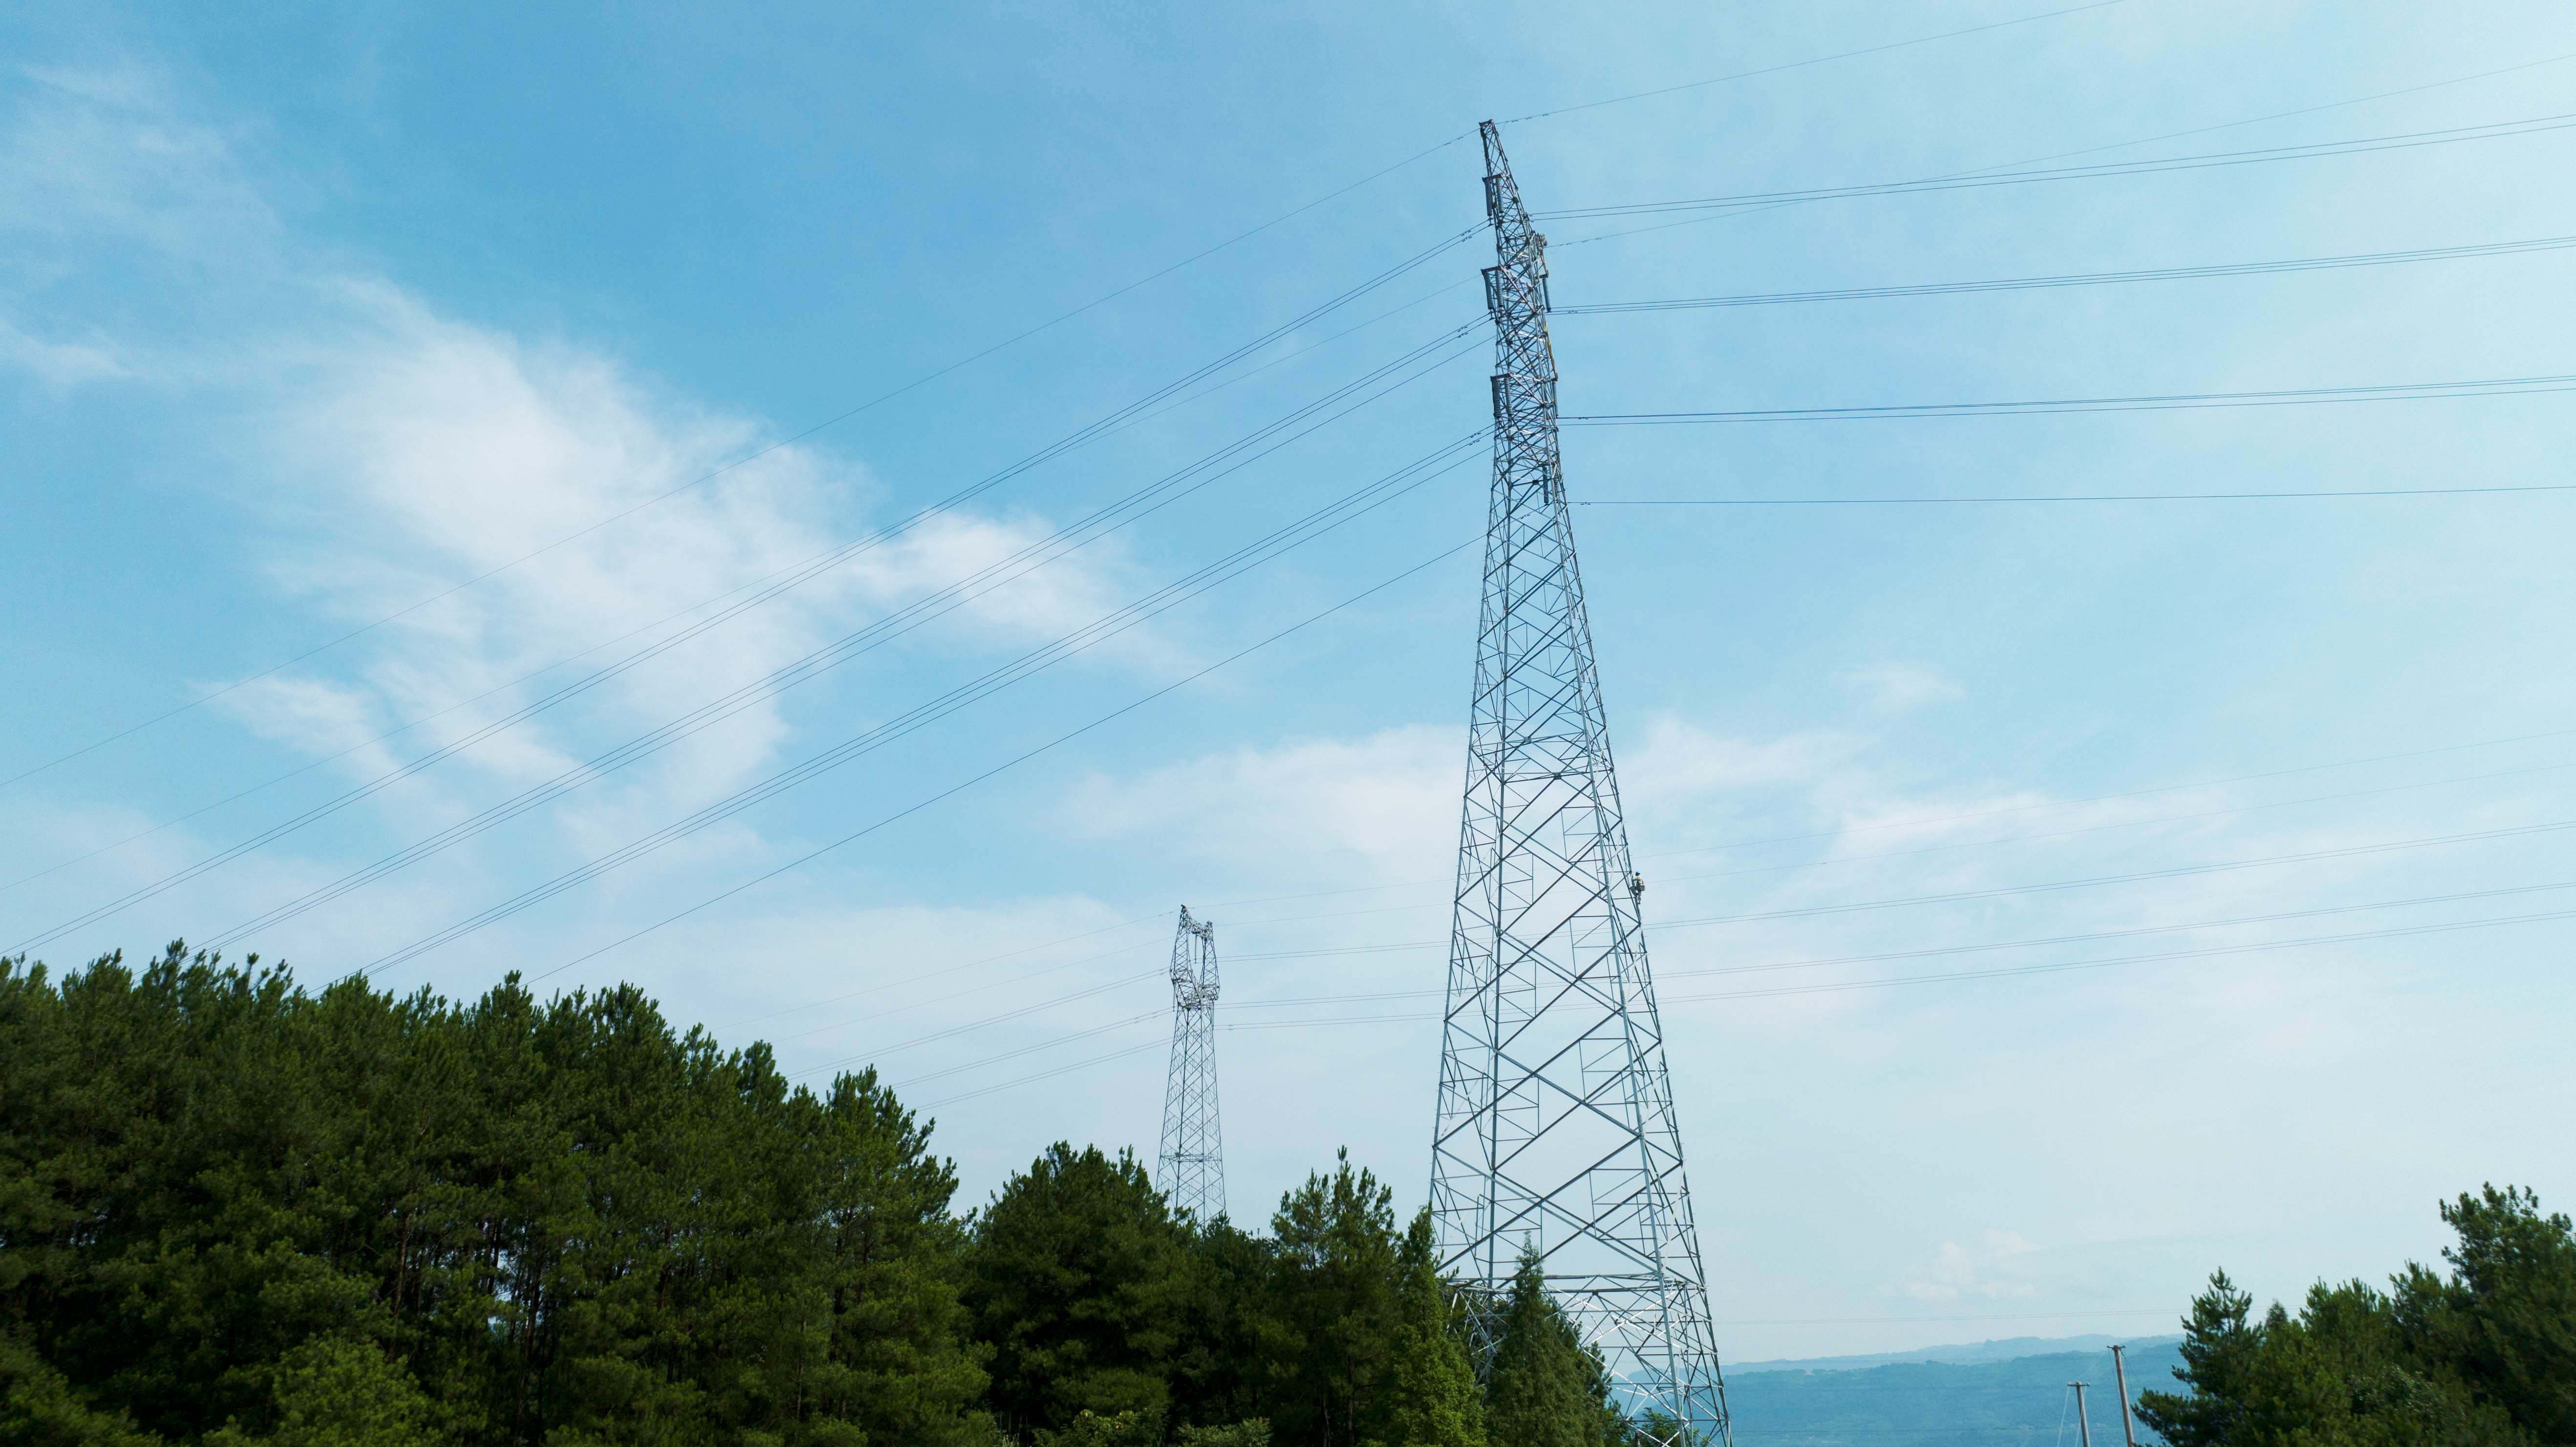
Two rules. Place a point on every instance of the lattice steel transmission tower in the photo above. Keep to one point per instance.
(1556, 1132)
(1192, 1169)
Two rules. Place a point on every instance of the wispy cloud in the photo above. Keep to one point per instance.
(1310, 808)
(1987, 1270)
(59, 364)
(380, 449)
(1900, 687)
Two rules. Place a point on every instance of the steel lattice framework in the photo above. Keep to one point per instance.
(1556, 1132)
(1192, 1169)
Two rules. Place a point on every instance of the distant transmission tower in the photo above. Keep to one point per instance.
(1556, 1132)
(1192, 1171)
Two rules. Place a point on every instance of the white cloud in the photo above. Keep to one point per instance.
(1900, 687)
(1983, 1270)
(1384, 799)
(428, 450)
(389, 450)
(1388, 801)
(60, 365)
(1680, 759)
(314, 717)
(1013, 601)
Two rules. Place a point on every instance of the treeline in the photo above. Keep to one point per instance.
(2481, 1356)
(234, 1212)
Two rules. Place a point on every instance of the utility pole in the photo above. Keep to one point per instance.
(2083, 1424)
(2120, 1370)
(1192, 1169)
(1555, 1134)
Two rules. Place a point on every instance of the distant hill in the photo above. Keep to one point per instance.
(1966, 1354)
(1989, 1394)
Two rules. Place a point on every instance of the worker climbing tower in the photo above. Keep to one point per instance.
(1556, 1135)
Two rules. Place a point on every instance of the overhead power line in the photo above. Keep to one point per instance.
(1261, 551)
(2144, 402)
(1156, 918)
(1243, 559)
(1825, 987)
(2358, 145)
(1248, 373)
(1922, 823)
(1402, 946)
(2133, 932)
(865, 1059)
(1996, 973)
(1006, 765)
(1814, 60)
(2091, 278)
(947, 599)
(881, 1014)
(2333, 105)
(2348, 851)
(1098, 428)
(1191, 260)
(2000, 166)
(1153, 1044)
(873, 1056)
(2059, 967)
(1185, 262)
(1931, 951)
(763, 590)
(2143, 821)
(1043, 1007)
(1996, 892)
(1022, 1052)
(1408, 945)
(953, 969)
(2061, 497)
(876, 1055)
(1038, 554)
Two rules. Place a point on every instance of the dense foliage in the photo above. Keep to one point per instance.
(239, 1214)
(228, 1206)
(2484, 1356)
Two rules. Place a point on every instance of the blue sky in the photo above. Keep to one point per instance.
(311, 315)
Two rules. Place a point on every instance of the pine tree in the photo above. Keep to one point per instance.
(1545, 1389)
(2505, 1321)
(2217, 1349)
(1431, 1396)
(1091, 1429)
(230, 1205)
(337, 1391)
(39, 1407)
(1251, 1432)
(1074, 1278)
(897, 1361)
(1229, 1335)
(2337, 1374)
(1335, 1304)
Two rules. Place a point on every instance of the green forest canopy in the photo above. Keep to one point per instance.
(233, 1212)
(2484, 1356)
